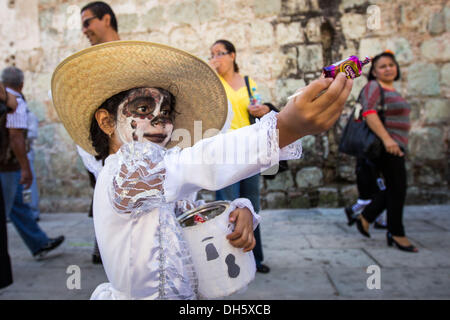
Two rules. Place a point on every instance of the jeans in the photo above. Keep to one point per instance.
(34, 188)
(247, 188)
(20, 212)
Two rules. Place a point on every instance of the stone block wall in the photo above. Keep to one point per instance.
(282, 44)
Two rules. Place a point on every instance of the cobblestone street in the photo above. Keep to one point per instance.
(312, 253)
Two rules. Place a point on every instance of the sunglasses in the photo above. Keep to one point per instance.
(87, 22)
(218, 55)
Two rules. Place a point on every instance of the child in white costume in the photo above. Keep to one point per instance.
(129, 97)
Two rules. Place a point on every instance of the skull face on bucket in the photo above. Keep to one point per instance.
(221, 268)
(212, 254)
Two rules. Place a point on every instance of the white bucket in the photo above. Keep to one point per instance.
(221, 268)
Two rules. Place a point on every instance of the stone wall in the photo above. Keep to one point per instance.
(282, 44)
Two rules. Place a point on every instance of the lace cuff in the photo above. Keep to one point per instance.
(292, 151)
(137, 184)
(289, 152)
(245, 203)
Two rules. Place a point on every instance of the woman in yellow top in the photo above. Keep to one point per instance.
(223, 60)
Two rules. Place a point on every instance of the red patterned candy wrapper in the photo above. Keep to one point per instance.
(198, 218)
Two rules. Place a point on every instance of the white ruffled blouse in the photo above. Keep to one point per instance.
(143, 187)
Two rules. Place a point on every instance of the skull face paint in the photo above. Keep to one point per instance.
(145, 115)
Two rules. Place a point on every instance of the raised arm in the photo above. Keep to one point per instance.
(306, 114)
(220, 161)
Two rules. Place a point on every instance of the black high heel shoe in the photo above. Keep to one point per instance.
(391, 241)
(360, 227)
(350, 218)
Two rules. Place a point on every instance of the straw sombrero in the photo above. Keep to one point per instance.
(83, 81)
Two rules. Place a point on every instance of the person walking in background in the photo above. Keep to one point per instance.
(99, 25)
(7, 104)
(223, 60)
(393, 132)
(32, 134)
(369, 182)
(15, 171)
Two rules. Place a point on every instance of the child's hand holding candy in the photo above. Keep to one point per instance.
(308, 114)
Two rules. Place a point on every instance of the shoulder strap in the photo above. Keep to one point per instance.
(247, 83)
(382, 108)
(360, 94)
(250, 96)
(381, 96)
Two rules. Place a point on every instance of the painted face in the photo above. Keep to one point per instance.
(145, 115)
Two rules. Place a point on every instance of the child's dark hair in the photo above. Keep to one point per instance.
(230, 49)
(376, 58)
(99, 139)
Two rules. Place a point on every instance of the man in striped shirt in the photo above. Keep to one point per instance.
(16, 175)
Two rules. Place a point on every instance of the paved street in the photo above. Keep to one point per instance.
(313, 254)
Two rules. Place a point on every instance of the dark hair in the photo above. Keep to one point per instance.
(99, 9)
(12, 77)
(271, 106)
(99, 139)
(376, 58)
(231, 49)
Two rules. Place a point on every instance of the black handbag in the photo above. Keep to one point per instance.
(358, 139)
(270, 173)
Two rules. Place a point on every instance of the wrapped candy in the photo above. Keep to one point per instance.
(351, 66)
